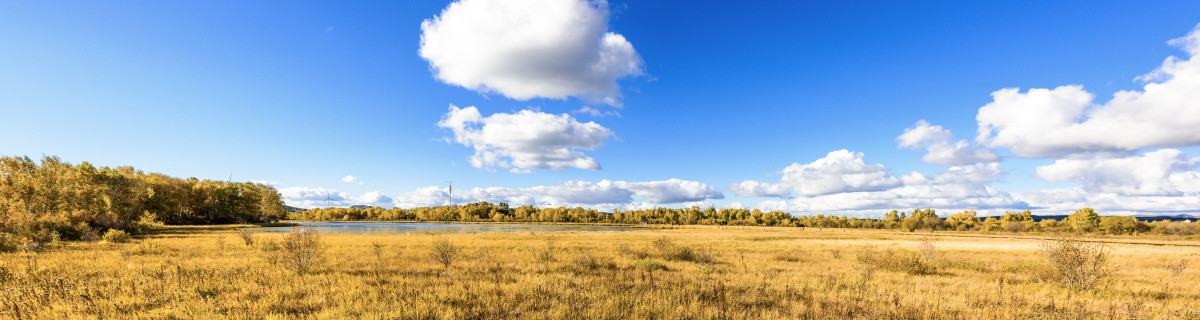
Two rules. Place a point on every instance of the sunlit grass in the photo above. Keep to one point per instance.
(687, 272)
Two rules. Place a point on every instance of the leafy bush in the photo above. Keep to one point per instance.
(116, 236)
(145, 223)
(9, 242)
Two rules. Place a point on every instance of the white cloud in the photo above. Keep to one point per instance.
(604, 195)
(838, 172)
(751, 188)
(734, 205)
(1065, 121)
(672, 191)
(314, 197)
(586, 110)
(525, 140)
(266, 183)
(1159, 173)
(527, 49)
(843, 182)
(349, 179)
(375, 198)
(1066, 200)
(922, 134)
(940, 146)
(304, 197)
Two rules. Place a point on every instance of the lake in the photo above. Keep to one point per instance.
(409, 227)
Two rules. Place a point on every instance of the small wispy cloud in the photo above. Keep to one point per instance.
(595, 112)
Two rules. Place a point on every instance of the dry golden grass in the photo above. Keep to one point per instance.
(675, 273)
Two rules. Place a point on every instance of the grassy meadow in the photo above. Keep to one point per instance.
(694, 272)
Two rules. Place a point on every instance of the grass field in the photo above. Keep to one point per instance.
(653, 273)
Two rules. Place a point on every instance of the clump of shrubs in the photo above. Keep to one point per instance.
(116, 236)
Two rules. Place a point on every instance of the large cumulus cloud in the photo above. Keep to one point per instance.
(527, 49)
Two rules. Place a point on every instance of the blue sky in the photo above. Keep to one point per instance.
(304, 94)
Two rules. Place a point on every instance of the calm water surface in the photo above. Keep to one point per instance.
(405, 227)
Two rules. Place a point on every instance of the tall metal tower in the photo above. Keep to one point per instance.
(449, 193)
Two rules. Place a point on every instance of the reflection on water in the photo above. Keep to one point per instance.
(400, 227)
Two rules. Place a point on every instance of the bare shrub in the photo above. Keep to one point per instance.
(910, 263)
(625, 250)
(673, 251)
(1177, 267)
(90, 235)
(444, 252)
(586, 261)
(928, 249)
(906, 261)
(378, 249)
(302, 249)
(246, 235)
(148, 247)
(1079, 265)
(548, 253)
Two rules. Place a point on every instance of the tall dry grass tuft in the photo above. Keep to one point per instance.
(302, 249)
(1078, 265)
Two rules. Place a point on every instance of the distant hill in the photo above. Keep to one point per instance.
(291, 208)
(361, 206)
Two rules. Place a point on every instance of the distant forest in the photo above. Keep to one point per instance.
(52, 200)
(1083, 220)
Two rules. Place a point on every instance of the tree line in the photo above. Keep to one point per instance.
(51, 199)
(1083, 220)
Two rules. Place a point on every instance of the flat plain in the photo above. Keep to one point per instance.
(691, 272)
